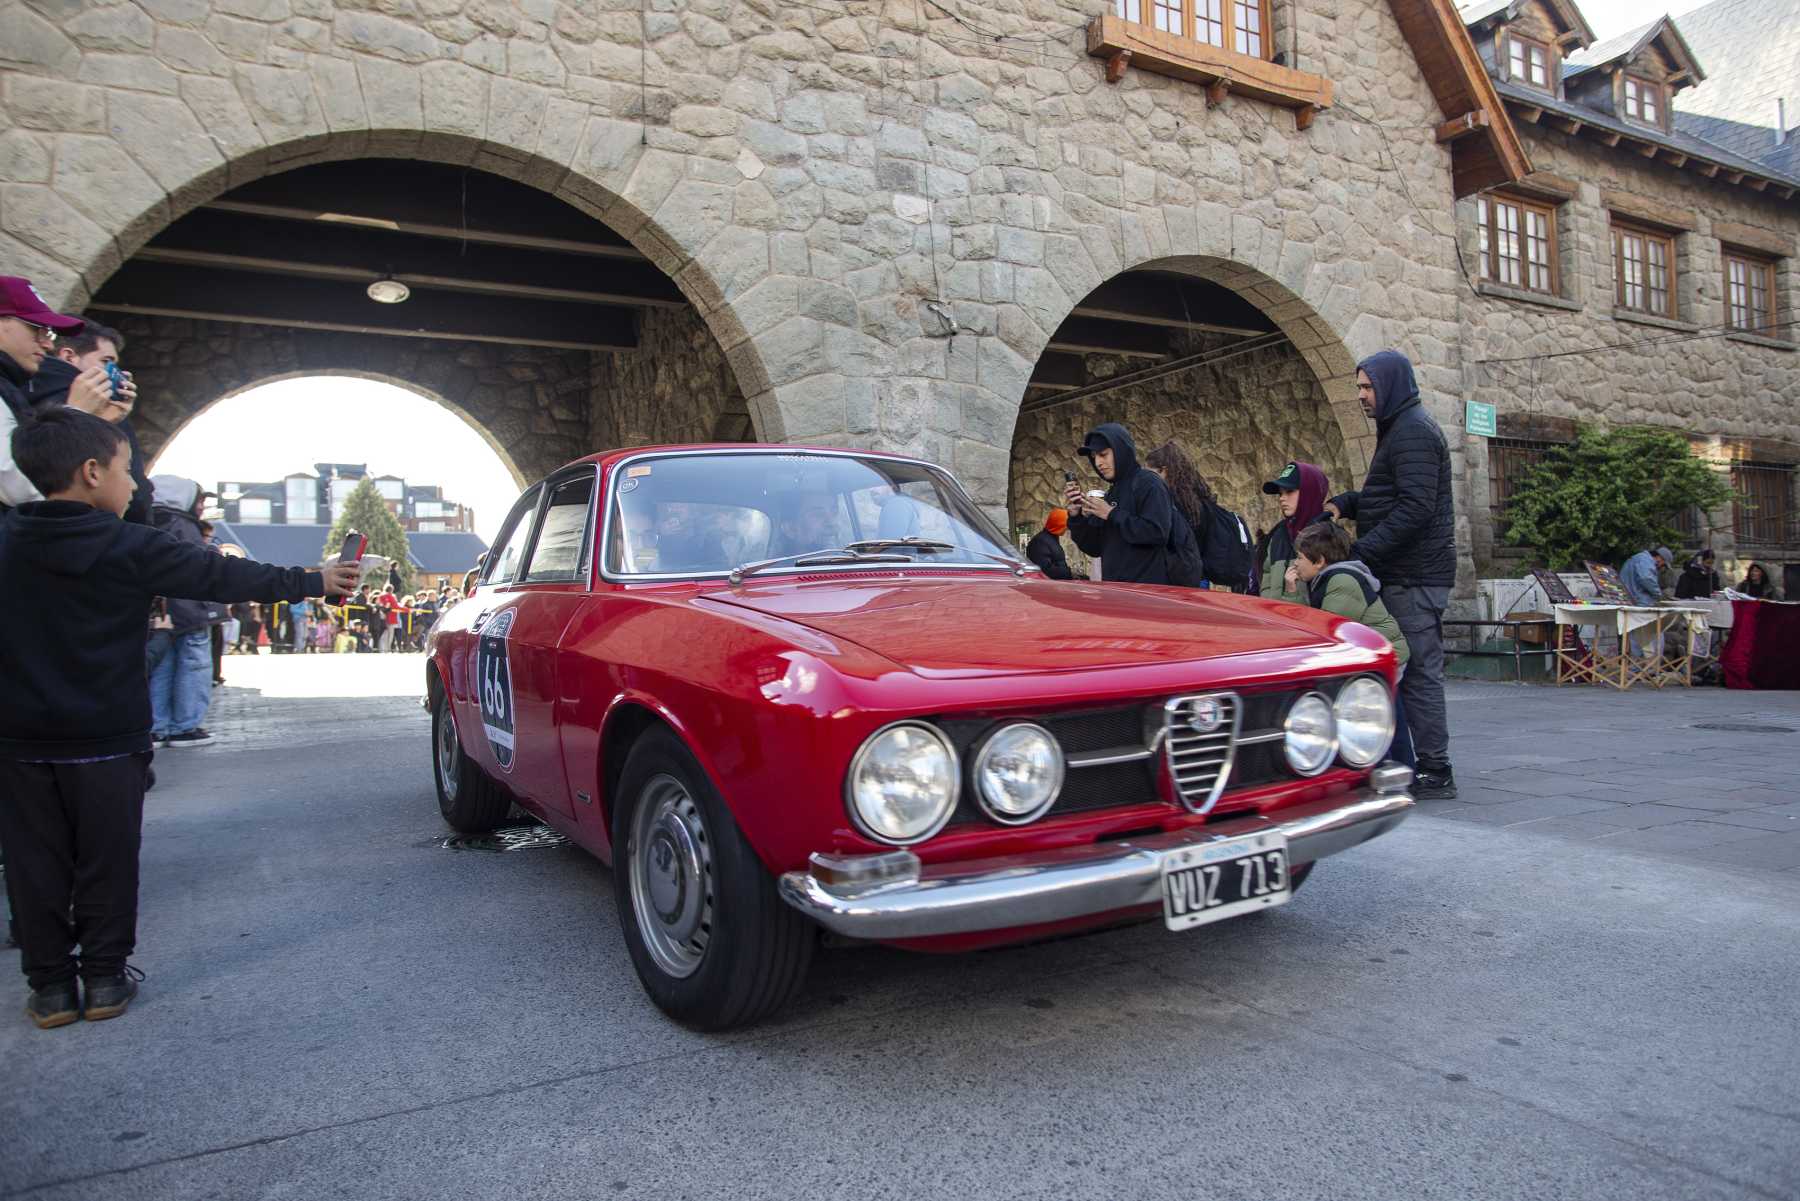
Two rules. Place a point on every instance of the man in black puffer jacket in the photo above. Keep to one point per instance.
(1406, 526)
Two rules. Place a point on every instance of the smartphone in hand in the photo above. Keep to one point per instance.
(354, 546)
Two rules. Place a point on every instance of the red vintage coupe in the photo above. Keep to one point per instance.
(785, 690)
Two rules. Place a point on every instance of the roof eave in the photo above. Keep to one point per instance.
(1490, 153)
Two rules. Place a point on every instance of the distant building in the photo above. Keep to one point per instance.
(435, 555)
(318, 499)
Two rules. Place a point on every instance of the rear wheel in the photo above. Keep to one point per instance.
(711, 940)
(470, 802)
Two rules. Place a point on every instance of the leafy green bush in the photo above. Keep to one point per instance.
(1609, 494)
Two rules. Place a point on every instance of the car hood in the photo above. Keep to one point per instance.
(962, 627)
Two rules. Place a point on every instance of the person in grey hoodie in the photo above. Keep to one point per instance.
(179, 656)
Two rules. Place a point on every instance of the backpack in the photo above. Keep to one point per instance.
(1229, 553)
(1181, 556)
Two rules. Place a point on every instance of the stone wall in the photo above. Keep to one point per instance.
(1733, 393)
(1239, 421)
(811, 175)
(675, 387)
(529, 403)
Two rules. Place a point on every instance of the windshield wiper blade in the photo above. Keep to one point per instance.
(909, 542)
(822, 557)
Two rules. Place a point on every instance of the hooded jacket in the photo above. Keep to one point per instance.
(75, 590)
(1278, 552)
(173, 513)
(1404, 512)
(1132, 543)
(15, 393)
(50, 386)
(1351, 590)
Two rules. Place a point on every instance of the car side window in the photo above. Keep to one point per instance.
(561, 551)
(504, 559)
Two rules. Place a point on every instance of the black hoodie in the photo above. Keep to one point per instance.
(75, 590)
(1404, 513)
(1133, 541)
(50, 386)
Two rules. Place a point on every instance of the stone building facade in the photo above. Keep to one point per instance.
(1695, 367)
(878, 212)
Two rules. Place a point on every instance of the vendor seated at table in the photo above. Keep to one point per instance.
(1756, 582)
(1698, 578)
(1640, 575)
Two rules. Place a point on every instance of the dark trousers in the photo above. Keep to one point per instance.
(1420, 614)
(70, 833)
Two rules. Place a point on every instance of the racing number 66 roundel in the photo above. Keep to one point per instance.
(493, 682)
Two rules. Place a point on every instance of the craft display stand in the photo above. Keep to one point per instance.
(1618, 667)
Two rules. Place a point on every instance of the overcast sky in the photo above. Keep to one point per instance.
(273, 431)
(1616, 16)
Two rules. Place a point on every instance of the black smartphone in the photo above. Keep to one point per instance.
(352, 552)
(1068, 477)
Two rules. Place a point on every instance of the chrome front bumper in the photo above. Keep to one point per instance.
(895, 901)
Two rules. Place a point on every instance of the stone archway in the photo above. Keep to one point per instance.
(1205, 351)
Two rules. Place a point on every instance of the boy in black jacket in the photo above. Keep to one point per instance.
(76, 584)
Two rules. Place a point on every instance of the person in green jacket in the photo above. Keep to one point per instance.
(1338, 583)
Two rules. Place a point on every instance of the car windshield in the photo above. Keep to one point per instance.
(707, 513)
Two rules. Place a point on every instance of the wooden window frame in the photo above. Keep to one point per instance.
(1647, 87)
(1622, 230)
(1750, 526)
(1147, 13)
(1528, 45)
(1488, 242)
(1763, 320)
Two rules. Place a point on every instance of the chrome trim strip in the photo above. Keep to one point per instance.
(1106, 758)
(1071, 882)
(1265, 736)
(1171, 752)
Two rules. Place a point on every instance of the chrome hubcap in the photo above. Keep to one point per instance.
(670, 861)
(447, 747)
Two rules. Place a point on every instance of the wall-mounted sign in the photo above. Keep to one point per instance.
(1480, 420)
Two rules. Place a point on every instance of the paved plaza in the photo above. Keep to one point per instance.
(1576, 980)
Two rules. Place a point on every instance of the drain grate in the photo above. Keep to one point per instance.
(1744, 727)
(506, 838)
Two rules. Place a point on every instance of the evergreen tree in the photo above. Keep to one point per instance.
(1609, 494)
(367, 513)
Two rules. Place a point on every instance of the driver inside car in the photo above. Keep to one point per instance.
(808, 523)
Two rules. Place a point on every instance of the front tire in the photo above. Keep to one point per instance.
(712, 941)
(470, 802)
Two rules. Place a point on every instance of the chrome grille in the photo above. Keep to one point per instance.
(1200, 760)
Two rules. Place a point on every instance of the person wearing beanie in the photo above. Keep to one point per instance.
(1045, 548)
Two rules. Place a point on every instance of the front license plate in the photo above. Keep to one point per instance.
(1223, 879)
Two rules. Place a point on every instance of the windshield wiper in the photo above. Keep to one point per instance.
(814, 558)
(928, 545)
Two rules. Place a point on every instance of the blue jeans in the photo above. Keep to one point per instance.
(180, 669)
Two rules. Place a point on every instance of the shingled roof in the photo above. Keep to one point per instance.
(1625, 45)
(1754, 46)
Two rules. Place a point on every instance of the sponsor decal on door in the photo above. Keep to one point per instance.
(493, 678)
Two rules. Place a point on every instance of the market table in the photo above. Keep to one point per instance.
(1619, 668)
(1763, 649)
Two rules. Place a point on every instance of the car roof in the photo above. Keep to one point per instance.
(607, 458)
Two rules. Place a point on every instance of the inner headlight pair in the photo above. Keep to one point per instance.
(1357, 727)
(905, 780)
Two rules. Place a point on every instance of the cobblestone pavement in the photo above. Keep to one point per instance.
(1704, 774)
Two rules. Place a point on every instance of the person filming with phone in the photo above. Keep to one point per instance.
(84, 373)
(1129, 527)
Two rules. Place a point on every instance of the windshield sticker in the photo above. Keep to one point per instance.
(632, 473)
(627, 486)
(493, 676)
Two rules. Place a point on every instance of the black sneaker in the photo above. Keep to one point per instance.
(1434, 784)
(53, 1005)
(194, 737)
(107, 996)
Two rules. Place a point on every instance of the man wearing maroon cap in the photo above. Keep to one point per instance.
(28, 330)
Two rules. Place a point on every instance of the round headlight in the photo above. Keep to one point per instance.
(1365, 721)
(903, 784)
(1018, 773)
(1311, 735)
